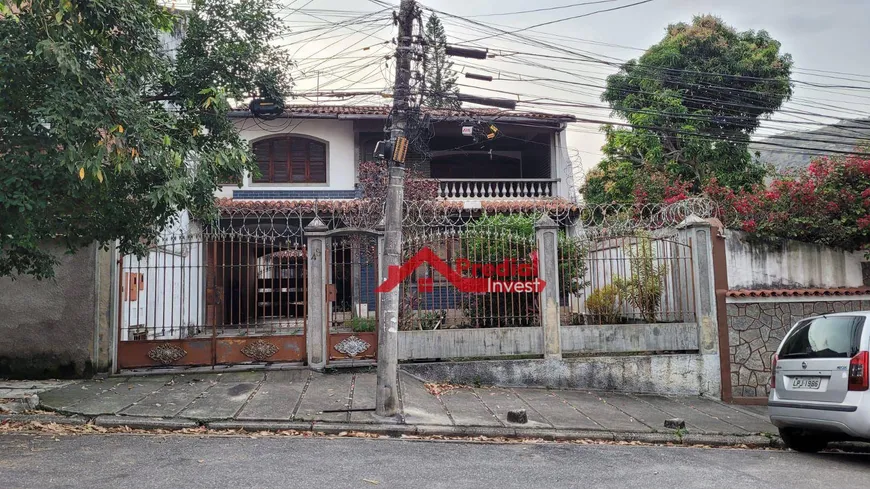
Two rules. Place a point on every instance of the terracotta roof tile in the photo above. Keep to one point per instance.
(552, 204)
(299, 110)
(829, 292)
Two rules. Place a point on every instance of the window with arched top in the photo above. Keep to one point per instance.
(290, 159)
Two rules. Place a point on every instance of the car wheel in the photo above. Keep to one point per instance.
(802, 441)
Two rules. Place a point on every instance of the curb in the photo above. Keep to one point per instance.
(144, 423)
(254, 425)
(44, 418)
(399, 430)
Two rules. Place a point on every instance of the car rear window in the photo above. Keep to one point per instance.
(824, 337)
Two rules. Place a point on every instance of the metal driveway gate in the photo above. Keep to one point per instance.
(211, 298)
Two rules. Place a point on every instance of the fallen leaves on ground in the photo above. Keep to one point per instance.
(438, 388)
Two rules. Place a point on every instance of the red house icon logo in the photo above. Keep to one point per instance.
(488, 283)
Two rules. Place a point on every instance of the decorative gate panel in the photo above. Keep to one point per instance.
(351, 300)
(218, 297)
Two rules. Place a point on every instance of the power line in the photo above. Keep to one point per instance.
(545, 9)
(542, 24)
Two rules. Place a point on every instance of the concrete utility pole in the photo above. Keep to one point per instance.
(386, 399)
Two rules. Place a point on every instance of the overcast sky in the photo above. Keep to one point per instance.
(820, 35)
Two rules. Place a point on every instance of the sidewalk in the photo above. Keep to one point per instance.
(306, 400)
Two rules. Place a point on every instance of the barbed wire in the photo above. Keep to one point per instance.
(284, 224)
(288, 219)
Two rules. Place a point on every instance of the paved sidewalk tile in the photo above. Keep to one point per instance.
(170, 399)
(466, 408)
(325, 392)
(695, 420)
(251, 376)
(69, 396)
(421, 407)
(121, 396)
(274, 395)
(500, 401)
(364, 390)
(729, 414)
(756, 410)
(555, 410)
(277, 396)
(641, 411)
(601, 412)
(222, 401)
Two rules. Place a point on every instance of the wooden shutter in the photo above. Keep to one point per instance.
(280, 163)
(298, 160)
(263, 155)
(316, 162)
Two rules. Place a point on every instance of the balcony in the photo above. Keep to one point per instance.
(496, 188)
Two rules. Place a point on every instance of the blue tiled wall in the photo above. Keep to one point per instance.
(295, 194)
(368, 282)
(443, 296)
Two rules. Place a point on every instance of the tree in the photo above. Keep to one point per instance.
(105, 134)
(441, 87)
(692, 102)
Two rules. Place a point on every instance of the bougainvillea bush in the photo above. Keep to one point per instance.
(826, 203)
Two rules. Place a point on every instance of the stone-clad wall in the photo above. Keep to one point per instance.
(755, 330)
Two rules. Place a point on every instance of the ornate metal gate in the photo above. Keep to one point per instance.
(214, 297)
(352, 305)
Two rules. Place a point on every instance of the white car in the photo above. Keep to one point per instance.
(819, 387)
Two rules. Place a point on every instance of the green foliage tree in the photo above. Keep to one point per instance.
(441, 87)
(692, 101)
(107, 135)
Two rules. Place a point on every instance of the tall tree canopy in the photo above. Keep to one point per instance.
(440, 78)
(113, 117)
(691, 101)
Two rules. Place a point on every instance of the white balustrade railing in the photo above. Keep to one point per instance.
(496, 188)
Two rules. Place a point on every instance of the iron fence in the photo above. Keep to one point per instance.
(477, 277)
(634, 278)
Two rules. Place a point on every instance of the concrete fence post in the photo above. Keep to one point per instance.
(316, 327)
(699, 232)
(547, 238)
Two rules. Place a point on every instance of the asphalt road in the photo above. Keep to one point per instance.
(146, 462)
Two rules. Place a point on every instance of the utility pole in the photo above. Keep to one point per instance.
(387, 396)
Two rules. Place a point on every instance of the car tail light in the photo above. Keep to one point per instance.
(773, 372)
(859, 377)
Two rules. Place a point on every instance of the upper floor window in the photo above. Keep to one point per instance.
(290, 160)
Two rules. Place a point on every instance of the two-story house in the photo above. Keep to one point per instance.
(313, 152)
(206, 293)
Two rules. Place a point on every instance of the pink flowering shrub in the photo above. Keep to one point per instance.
(827, 203)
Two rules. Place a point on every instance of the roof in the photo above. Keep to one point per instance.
(383, 111)
(829, 292)
(311, 206)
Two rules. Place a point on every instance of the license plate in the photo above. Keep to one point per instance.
(806, 382)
